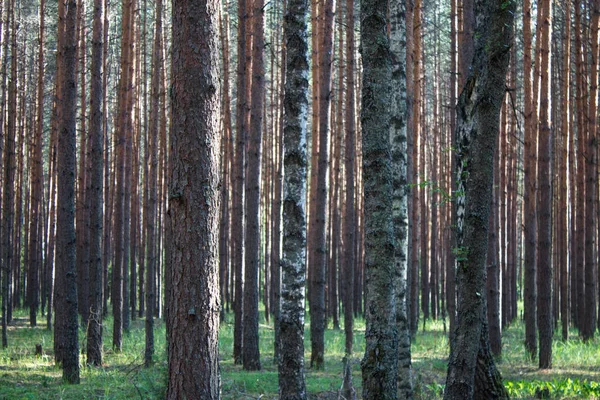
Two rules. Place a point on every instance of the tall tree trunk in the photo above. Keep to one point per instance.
(317, 236)
(471, 369)
(81, 212)
(563, 171)
(591, 181)
(530, 218)
(293, 264)
(544, 211)
(8, 189)
(380, 362)
(94, 327)
(226, 168)
(193, 271)
(349, 265)
(278, 189)
(579, 267)
(35, 242)
(250, 351)
(151, 182)
(127, 129)
(400, 192)
(65, 294)
(123, 123)
(451, 270)
(237, 223)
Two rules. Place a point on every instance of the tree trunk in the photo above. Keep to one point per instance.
(8, 189)
(250, 351)
(151, 182)
(530, 218)
(193, 271)
(349, 264)
(226, 168)
(237, 223)
(123, 116)
(544, 211)
(35, 235)
(563, 171)
(380, 363)
(94, 330)
(65, 294)
(317, 236)
(293, 264)
(81, 211)
(471, 369)
(591, 181)
(400, 191)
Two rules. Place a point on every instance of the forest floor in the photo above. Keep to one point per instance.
(576, 371)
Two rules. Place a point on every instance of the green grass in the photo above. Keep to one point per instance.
(576, 372)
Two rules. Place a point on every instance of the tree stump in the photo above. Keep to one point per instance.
(38, 350)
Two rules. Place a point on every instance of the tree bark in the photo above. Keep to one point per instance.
(65, 294)
(250, 351)
(237, 223)
(94, 327)
(8, 189)
(154, 121)
(400, 191)
(192, 269)
(591, 181)
(544, 211)
(530, 190)
(563, 171)
(380, 362)
(293, 264)
(349, 264)
(317, 236)
(35, 235)
(471, 369)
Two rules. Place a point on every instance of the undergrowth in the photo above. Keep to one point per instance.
(575, 373)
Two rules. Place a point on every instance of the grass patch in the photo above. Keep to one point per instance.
(576, 372)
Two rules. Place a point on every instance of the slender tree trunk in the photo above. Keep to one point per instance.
(81, 211)
(35, 245)
(237, 224)
(530, 190)
(400, 192)
(563, 171)
(493, 272)
(349, 265)
(451, 263)
(317, 236)
(65, 295)
(250, 351)
(224, 228)
(8, 189)
(120, 204)
(544, 258)
(580, 175)
(293, 264)
(591, 181)
(278, 200)
(151, 182)
(94, 327)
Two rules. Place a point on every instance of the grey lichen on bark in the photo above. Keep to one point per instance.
(380, 362)
(293, 263)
